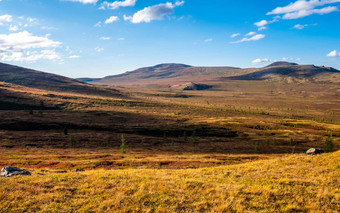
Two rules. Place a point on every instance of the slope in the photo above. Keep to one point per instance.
(288, 72)
(41, 80)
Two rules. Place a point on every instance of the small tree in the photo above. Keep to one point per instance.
(65, 131)
(123, 145)
(185, 137)
(194, 138)
(329, 145)
(72, 141)
(257, 147)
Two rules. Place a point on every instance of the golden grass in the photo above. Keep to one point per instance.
(289, 184)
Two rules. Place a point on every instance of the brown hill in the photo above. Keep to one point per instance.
(180, 74)
(41, 80)
(292, 73)
(167, 74)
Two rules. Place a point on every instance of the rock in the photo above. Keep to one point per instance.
(314, 151)
(9, 171)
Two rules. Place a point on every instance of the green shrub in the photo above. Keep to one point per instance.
(194, 138)
(72, 141)
(123, 145)
(65, 130)
(257, 147)
(185, 137)
(329, 145)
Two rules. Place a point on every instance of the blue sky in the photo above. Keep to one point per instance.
(96, 38)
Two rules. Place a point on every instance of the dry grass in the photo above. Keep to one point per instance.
(243, 157)
(288, 184)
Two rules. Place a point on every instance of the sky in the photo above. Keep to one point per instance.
(96, 38)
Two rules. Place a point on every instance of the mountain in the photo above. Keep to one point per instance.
(178, 75)
(165, 74)
(289, 72)
(41, 80)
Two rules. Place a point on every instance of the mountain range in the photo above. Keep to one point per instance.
(178, 74)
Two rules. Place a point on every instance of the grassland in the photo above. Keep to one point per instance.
(295, 183)
(237, 148)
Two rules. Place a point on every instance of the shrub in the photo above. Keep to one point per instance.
(185, 137)
(329, 145)
(257, 147)
(194, 138)
(65, 131)
(123, 145)
(72, 141)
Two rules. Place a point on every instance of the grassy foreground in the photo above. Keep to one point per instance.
(294, 183)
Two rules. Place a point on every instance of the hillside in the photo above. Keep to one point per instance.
(295, 183)
(41, 80)
(167, 74)
(289, 72)
(178, 74)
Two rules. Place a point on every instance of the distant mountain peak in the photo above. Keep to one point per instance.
(282, 63)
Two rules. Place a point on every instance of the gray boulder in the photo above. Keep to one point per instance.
(314, 151)
(10, 171)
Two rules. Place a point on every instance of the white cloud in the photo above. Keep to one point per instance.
(253, 38)
(13, 28)
(259, 60)
(208, 40)
(24, 40)
(116, 4)
(334, 53)
(121, 39)
(303, 8)
(30, 56)
(261, 23)
(300, 26)
(291, 59)
(18, 46)
(74, 56)
(99, 49)
(250, 33)
(6, 18)
(235, 35)
(304, 13)
(104, 38)
(111, 19)
(156, 12)
(127, 18)
(84, 1)
(98, 24)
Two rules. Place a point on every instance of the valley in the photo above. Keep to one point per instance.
(176, 141)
